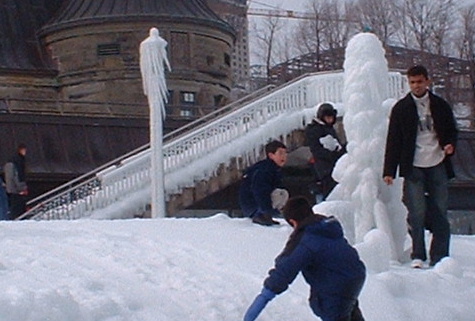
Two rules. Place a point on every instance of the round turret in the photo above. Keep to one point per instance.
(95, 45)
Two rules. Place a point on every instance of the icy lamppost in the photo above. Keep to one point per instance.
(153, 58)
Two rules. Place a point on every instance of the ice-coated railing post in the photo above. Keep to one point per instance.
(132, 174)
(153, 57)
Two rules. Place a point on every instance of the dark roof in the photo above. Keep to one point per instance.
(80, 12)
(69, 146)
(22, 21)
(19, 23)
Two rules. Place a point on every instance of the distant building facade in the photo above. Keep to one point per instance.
(450, 76)
(70, 82)
(235, 13)
(89, 51)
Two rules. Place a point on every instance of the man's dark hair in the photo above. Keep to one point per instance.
(21, 146)
(418, 70)
(297, 208)
(273, 146)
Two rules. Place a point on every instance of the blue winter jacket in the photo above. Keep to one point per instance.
(257, 184)
(328, 263)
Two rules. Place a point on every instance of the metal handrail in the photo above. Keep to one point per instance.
(90, 176)
(186, 145)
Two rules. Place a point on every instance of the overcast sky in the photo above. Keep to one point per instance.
(296, 4)
(275, 4)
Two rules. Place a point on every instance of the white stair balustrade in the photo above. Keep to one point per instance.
(132, 175)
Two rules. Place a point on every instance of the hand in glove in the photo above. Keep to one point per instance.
(259, 304)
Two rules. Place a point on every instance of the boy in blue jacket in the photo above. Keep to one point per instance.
(330, 265)
(261, 194)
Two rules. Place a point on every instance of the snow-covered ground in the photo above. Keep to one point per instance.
(211, 269)
(196, 269)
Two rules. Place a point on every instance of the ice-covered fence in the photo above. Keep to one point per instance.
(131, 176)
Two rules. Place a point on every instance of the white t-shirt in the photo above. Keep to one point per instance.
(428, 151)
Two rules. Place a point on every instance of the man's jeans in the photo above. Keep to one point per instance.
(425, 195)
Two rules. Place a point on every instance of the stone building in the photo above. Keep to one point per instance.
(70, 82)
(90, 49)
(235, 13)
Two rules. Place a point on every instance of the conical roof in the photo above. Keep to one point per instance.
(19, 22)
(80, 12)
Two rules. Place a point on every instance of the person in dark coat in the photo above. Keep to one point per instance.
(4, 210)
(15, 182)
(261, 194)
(329, 264)
(326, 148)
(422, 136)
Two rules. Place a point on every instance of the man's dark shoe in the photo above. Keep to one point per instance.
(264, 219)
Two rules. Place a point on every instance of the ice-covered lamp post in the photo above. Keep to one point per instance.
(153, 58)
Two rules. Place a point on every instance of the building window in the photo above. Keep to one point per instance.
(168, 110)
(4, 107)
(227, 59)
(109, 49)
(210, 60)
(170, 97)
(219, 100)
(188, 97)
(186, 113)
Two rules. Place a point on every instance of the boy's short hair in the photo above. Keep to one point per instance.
(297, 208)
(418, 70)
(273, 146)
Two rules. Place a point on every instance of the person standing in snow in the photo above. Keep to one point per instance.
(329, 264)
(3, 201)
(422, 134)
(261, 194)
(15, 182)
(325, 146)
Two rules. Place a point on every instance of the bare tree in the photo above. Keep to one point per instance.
(467, 39)
(379, 16)
(326, 27)
(419, 14)
(284, 47)
(265, 33)
(443, 23)
(429, 21)
(310, 31)
(403, 35)
(339, 27)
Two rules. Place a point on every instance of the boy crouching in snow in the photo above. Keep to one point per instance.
(328, 263)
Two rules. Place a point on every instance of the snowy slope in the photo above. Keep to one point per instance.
(195, 269)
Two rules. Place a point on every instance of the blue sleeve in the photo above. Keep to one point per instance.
(258, 304)
(286, 269)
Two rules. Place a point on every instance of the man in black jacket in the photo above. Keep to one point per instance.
(422, 134)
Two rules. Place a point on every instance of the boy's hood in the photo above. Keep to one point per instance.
(328, 227)
(266, 164)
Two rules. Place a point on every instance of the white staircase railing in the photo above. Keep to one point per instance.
(128, 181)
